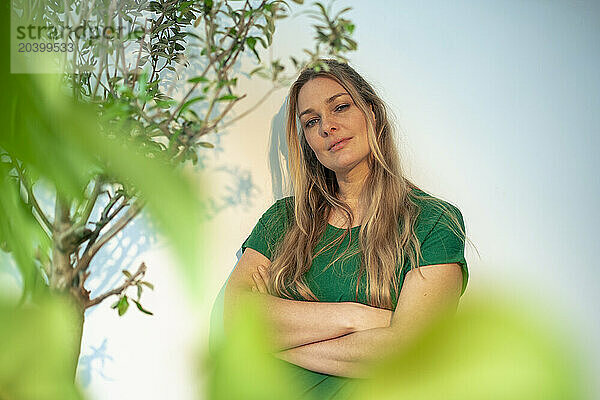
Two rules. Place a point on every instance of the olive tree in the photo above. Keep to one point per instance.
(143, 84)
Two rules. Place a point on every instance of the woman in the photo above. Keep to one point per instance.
(359, 258)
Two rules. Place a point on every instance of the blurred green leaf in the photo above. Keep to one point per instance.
(37, 352)
(188, 103)
(227, 97)
(165, 103)
(198, 79)
(20, 232)
(492, 349)
(148, 284)
(243, 367)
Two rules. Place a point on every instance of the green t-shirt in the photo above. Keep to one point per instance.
(337, 283)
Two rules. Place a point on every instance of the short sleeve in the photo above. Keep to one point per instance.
(270, 229)
(444, 246)
(258, 240)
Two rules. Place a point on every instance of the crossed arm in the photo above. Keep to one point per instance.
(340, 338)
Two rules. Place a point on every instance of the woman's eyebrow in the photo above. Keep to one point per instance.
(329, 100)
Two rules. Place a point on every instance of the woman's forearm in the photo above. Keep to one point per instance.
(295, 323)
(345, 355)
(422, 301)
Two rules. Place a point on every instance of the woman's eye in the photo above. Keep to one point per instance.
(309, 123)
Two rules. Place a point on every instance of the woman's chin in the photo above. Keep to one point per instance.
(344, 164)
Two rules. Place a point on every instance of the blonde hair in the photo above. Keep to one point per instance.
(385, 195)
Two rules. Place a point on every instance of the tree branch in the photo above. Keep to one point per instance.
(89, 206)
(93, 248)
(248, 111)
(117, 291)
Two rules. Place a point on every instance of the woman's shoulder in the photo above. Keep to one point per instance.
(429, 203)
(279, 214)
(432, 210)
(281, 206)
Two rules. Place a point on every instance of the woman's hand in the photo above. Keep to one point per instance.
(296, 322)
(260, 280)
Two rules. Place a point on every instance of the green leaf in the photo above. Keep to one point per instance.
(352, 45)
(123, 305)
(337, 16)
(188, 103)
(350, 28)
(230, 82)
(255, 70)
(139, 291)
(262, 41)
(227, 97)
(154, 6)
(37, 351)
(148, 284)
(165, 104)
(207, 145)
(251, 42)
(139, 306)
(193, 156)
(127, 274)
(198, 79)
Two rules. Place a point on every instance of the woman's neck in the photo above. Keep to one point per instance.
(351, 184)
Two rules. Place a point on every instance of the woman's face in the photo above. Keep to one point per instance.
(328, 114)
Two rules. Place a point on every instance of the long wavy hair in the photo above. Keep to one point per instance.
(386, 198)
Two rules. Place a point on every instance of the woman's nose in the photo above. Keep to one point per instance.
(329, 127)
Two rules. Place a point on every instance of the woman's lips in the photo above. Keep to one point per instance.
(339, 145)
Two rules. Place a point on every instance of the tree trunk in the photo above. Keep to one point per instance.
(74, 328)
(77, 335)
(60, 274)
(61, 279)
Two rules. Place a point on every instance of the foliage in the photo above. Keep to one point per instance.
(114, 135)
(493, 348)
(242, 367)
(36, 352)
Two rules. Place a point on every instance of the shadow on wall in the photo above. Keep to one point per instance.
(278, 155)
(92, 364)
(138, 237)
(281, 187)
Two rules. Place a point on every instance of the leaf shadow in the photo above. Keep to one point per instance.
(87, 370)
